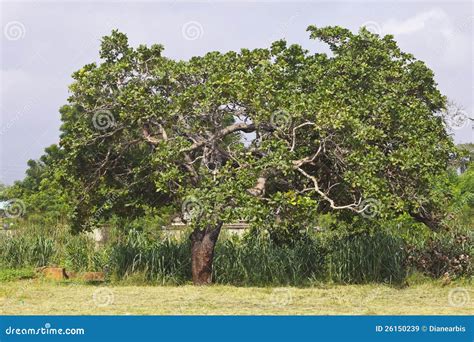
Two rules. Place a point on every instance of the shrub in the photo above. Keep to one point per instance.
(448, 253)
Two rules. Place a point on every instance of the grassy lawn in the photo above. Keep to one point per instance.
(37, 296)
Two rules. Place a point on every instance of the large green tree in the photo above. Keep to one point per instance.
(277, 132)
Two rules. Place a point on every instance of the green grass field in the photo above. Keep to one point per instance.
(37, 296)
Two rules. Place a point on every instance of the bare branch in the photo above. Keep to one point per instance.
(354, 206)
(307, 160)
(293, 144)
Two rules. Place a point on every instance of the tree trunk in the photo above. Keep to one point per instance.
(202, 253)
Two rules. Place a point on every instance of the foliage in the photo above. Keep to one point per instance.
(383, 254)
(44, 196)
(258, 260)
(462, 206)
(329, 131)
(81, 254)
(446, 254)
(26, 251)
(466, 157)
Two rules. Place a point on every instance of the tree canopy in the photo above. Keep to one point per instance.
(250, 129)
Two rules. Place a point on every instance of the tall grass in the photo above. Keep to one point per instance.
(164, 260)
(24, 251)
(254, 259)
(363, 258)
(257, 260)
(81, 254)
(33, 247)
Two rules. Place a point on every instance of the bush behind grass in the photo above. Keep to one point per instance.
(448, 254)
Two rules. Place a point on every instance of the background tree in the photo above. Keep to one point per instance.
(42, 191)
(466, 157)
(274, 134)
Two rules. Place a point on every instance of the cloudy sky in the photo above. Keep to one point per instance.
(42, 43)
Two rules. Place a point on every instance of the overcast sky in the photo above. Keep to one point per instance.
(42, 43)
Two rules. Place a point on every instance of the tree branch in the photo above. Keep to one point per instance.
(241, 126)
(354, 206)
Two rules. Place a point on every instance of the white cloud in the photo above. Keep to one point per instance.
(414, 24)
(445, 41)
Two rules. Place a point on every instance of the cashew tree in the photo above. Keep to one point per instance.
(236, 135)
